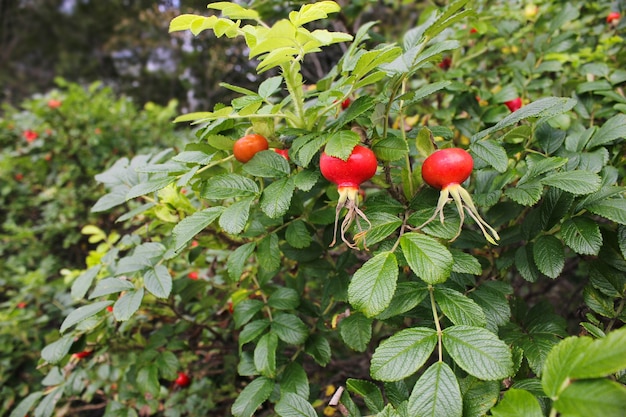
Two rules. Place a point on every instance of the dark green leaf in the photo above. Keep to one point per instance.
(582, 235)
(491, 152)
(613, 209)
(317, 346)
(234, 217)
(575, 182)
(612, 129)
(373, 285)
(549, 255)
(265, 355)
(246, 310)
(403, 354)
(276, 197)
(371, 393)
(341, 143)
(293, 405)
(284, 299)
(517, 403)
(428, 258)
(148, 380)
(356, 331)
(459, 308)
(295, 380)
(252, 396)
(297, 235)
(290, 329)
(436, 393)
(56, 351)
(268, 253)
(390, 148)
(267, 164)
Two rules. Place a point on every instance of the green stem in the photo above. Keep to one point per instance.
(433, 306)
(293, 81)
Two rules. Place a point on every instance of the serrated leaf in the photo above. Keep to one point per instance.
(340, 144)
(560, 362)
(459, 308)
(613, 209)
(436, 393)
(268, 253)
(234, 217)
(237, 260)
(252, 331)
(284, 299)
(356, 331)
(603, 357)
(313, 11)
(612, 129)
(478, 352)
(265, 355)
(406, 297)
(168, 365)
(26, 404)
(428, 258)
(229, 186)
(526, 194)
(150, 186)
(582, 235)
(158, 281)
(597, 397)
(294, 379)
(371, 394)
(465, 263)
(252, 396)
(491, 152)
(56, 351)
(194, 157)
(83, 313)
(81, 285)
(305, 180)
(128, 304)
(297, 235)
(267, 164)
(549, 255)
(383, 225)
(190, 226)
(544, 107)
(525, 264)
(373, 285)
(517, 403)
(290, 329)
(390, 148)
(539, 164)
(245, 311)
(116, 197)
(478, 396)
(575, 182)
(318, 348)
(403, 354)
(276, 198)
(108, 286)
(47, 405)
(494, 303)
(148, 380)
(293, 405)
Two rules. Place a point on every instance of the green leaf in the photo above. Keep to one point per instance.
(371, 394)
(290, 329)
(478, 352)
(190, 226)
(373, 285)
(525, 264)
(83, 282)
(246, 310)
(276, 197)
(150, 186)
(26, 404)
(544, 107)
(238, 260)
(252, 396)
(183, 22)
(56, 351)
(600, 397)
(148, 380)
(575, 182)
(526, 194)
(253, 330)
(464, 263)
(127, 304)
(582, 235)
(406, 297)
(267, 164)
(390, 148)
(517, 403)
(47, 405)
(318, 348)
(234, 217)
(493, 299)
(603, 357)
(356, 331)
(428, 258)
(478, 396)
(268, 253)
(383, 225)
(234, 11)
(612, 129)
(560, 362)
(229, 186)
(83, 313)
(297, 235)
(403, 354)
(491, 152)
(168, 364)
(293, 405)
(549, 255)
(108, 286)
(158, 281)
(459, 308)
(538, 165)
(305, 180)
(284, 299)
(194, 157)
(314, 11)
(436, 393)
(294, 379)
(340, 144)
(265, 355)
(613, 209)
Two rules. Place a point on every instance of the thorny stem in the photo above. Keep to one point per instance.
(433, 306)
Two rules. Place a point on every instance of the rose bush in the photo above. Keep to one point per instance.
(422, 322)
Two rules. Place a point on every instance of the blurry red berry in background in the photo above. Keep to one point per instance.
(283, 152)
(613, 17)
(473, 30)
(193, 275)
(30, 135)
(21, 304)
(514, 104)
(83, 354)
(54, 103)
(110, 309)
(194, 243)
(183, 380)
(445, 63)
(19, 176)
(346, 103)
